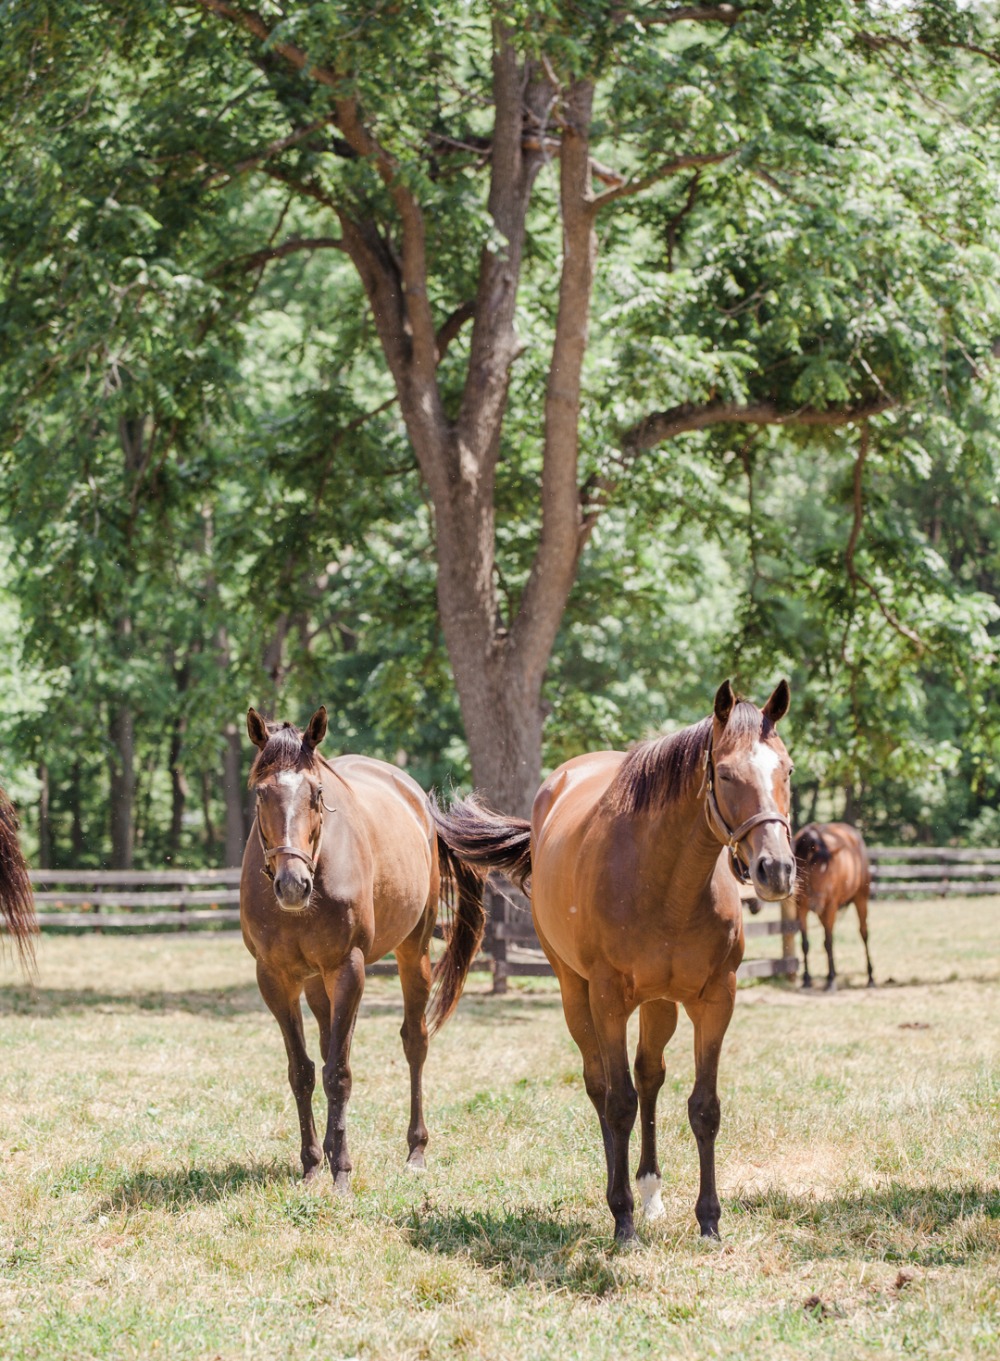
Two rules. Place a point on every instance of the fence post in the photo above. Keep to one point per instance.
(788, 949)
(496, 942)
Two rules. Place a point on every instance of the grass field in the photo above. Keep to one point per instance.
(150, 1204)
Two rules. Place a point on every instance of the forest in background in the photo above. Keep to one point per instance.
(782, 449)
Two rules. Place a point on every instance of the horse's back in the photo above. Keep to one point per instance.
(396, 816)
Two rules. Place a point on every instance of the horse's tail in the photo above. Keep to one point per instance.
(17, 903)
(471, 841)
(487, 839)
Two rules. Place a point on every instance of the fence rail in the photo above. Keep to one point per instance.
(179, 899)
(906, 871)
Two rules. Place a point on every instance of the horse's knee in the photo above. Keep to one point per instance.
(704, 1113)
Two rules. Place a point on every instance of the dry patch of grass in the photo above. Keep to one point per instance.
(151, 1204)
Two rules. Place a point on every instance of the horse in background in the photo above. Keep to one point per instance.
(343, 865)
(832, 870)
(633, 860)
(17, 902)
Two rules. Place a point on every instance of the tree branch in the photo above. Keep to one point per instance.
(632, 187)
(698, 14)
(680, 420)
(254, 259)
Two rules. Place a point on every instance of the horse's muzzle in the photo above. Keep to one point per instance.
(773, 877)
(293, 889)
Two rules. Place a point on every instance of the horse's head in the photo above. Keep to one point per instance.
(288, 779)
(811, 849)
(748, 792)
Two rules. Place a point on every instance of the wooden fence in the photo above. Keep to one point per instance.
(158, 900)
(936, 871)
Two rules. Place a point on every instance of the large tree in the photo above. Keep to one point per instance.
(583, 234)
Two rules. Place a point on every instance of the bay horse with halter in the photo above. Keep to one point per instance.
(17, 902)
(832, 870)
(636, 907)
(344, 864)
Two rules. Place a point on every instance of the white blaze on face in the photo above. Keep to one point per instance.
(291, 780)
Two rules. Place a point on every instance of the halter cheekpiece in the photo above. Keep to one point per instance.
(729, 837)
(318, 802)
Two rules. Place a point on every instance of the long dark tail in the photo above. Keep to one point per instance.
(472, 840)
(17, 903)
(462, 888)
(487, 839)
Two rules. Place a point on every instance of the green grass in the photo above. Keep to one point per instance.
(150, 1204)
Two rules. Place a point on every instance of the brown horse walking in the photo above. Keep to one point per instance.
(635, 907)
(832, 870)
(17, 902)
(342, 866)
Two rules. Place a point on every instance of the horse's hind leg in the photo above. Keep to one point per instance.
(344, 989)
(657, 1022)
(415, 978)
(283, 1003)
(710, 1015)
(861, 903)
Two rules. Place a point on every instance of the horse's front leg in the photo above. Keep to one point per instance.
(657, 1022)
(610, 1017)
(282, 998)
(710, 1016)
(344, 988)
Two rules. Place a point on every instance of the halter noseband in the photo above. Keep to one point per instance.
(720, 827)
(269, 852)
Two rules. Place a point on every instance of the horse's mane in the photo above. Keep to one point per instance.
(285, 749)
(661, 771)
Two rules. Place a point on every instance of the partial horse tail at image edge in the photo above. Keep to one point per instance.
(17, 903)
(472, 840)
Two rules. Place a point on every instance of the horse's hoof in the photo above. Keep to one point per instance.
(312, 1173)
(872, 983)
(807, 982)
(415, 1163)
(342, 1183)
(831, 985)
(625, 1235)
(711, 1233)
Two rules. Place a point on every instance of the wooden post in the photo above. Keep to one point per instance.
(788, 917)
(496, 942)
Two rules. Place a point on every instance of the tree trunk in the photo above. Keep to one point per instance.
(178, 789)
(44, 819)
(235, 796)
(122, 771)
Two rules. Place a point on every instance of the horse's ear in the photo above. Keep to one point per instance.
(316, 730)
(777, 706)
(725, 698)
(257, 729)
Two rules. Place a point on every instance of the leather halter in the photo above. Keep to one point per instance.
(729, 837)
(318, 802)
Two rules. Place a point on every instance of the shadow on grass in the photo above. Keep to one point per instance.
(523, 1246)
(231, 1001)
(918, 1225)
(186, 1186)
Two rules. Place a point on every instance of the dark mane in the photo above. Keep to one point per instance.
(286, 749)
(657, 773)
